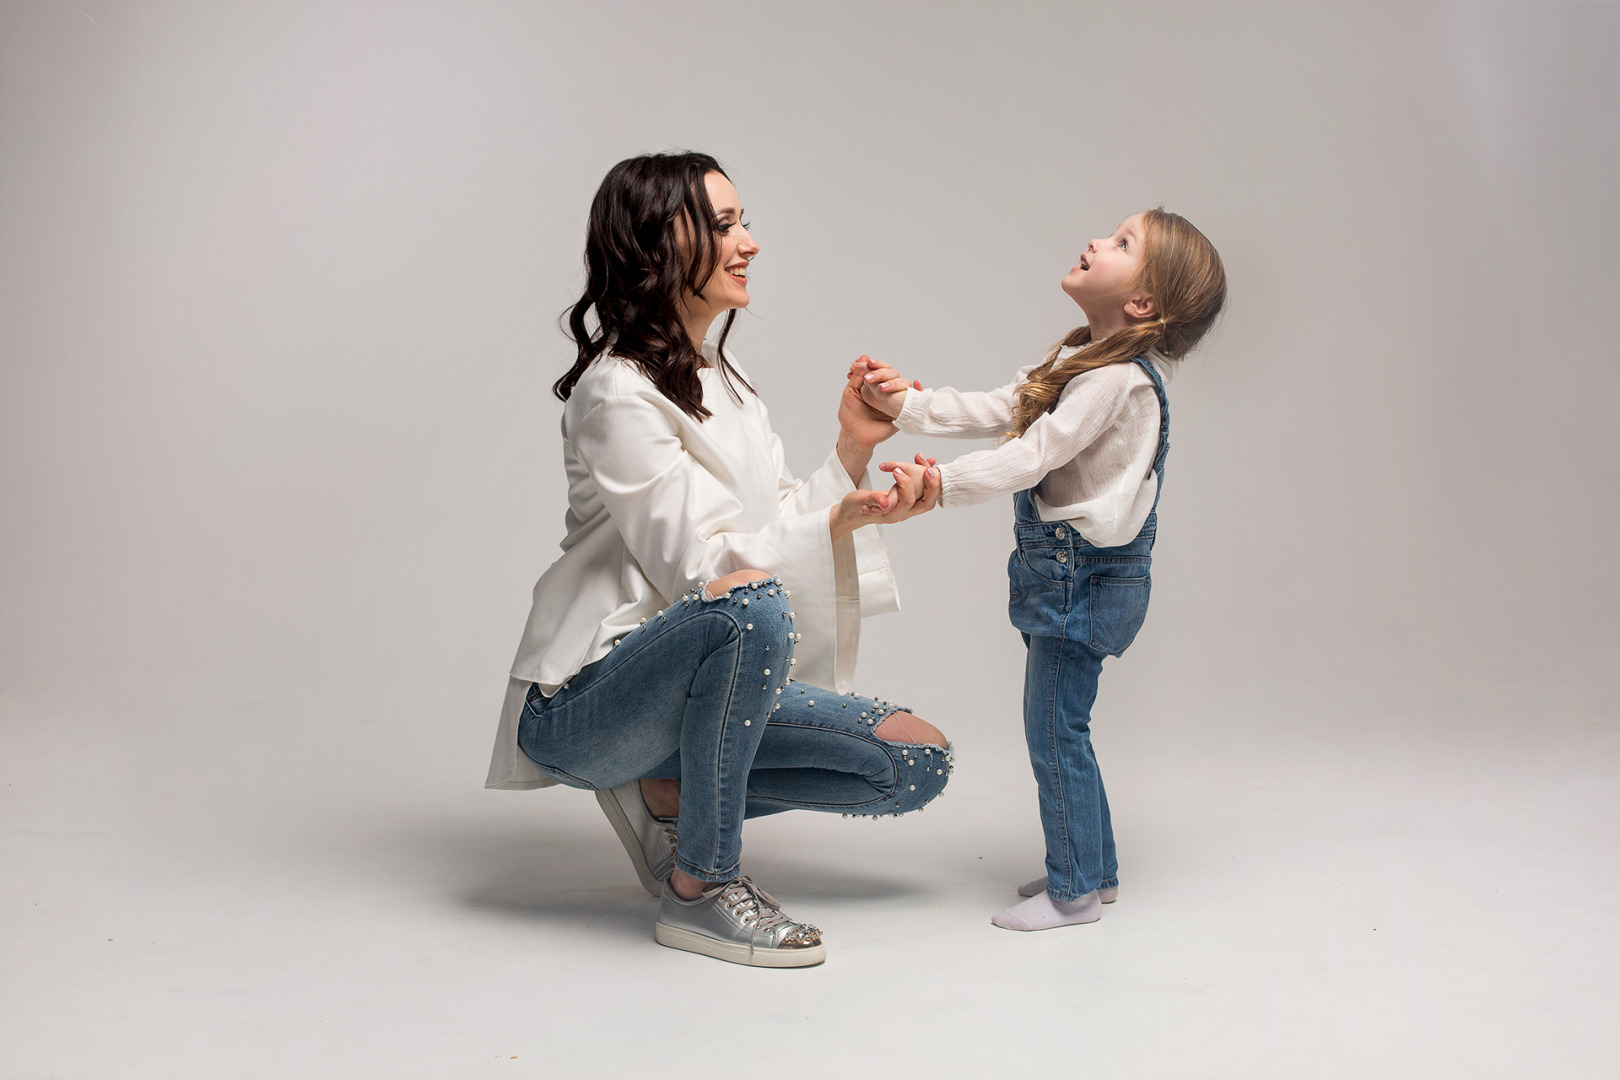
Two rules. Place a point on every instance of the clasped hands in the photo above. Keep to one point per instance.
(871, 399)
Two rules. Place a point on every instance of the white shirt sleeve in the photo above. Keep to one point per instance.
(1090, 404)
(960, 414)
(863, 578)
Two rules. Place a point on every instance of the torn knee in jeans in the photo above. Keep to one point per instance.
(906, 728)
(722, 585)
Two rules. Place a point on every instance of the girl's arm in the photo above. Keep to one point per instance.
(946, 412)
(1092, 403)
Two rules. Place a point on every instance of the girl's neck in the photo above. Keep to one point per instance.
(1105, 324)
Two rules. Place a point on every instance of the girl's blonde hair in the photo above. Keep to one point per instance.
(1182, 271)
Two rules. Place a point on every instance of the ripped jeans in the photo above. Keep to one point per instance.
(701, 692)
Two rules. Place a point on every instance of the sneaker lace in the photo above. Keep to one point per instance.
(754, 906)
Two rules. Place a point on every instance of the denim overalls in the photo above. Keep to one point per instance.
(1076, 603)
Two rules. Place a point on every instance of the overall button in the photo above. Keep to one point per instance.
(1062, 556)
(1059, 533)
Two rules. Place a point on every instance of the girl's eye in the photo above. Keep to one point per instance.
(1121, 243)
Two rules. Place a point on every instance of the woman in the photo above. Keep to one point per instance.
(696, 575)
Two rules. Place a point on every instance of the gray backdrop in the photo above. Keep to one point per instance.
(278, 290)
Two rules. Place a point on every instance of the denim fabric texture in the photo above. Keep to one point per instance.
(1076, 604)
(701, 692)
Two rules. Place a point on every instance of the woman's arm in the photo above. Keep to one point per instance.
(680, 523)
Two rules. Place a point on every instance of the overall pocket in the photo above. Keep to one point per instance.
(1118, 608)
(1038, 599)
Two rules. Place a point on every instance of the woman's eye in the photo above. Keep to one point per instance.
(748, 224)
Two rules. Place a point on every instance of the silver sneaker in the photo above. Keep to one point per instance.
(649, 841)
(740, 922)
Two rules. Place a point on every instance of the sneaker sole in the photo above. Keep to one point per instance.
(632, 844)
(691, 941)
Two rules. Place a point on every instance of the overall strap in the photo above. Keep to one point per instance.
(1164, 425)
(1025, 512)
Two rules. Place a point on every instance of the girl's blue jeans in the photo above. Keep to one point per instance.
(701, 692)
(1074, 604)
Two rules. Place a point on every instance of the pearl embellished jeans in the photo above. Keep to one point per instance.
(701, 693)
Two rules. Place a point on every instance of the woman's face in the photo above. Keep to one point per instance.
(727, 286)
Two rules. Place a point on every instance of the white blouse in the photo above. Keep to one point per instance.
(660, 504)
(1090, 459)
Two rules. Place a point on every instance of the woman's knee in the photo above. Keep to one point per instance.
(758, 605)
(906, 728)
(722, 585)
(921, 775)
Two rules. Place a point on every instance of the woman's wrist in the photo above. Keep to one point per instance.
(840, 522)
(853, 456)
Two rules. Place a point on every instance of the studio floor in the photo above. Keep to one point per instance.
(306, 892)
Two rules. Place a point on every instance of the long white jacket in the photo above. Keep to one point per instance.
(659, 505)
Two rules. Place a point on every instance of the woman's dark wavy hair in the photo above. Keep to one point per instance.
(637, 272)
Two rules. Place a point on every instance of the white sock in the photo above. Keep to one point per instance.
(1033, 888)
(1038, 886)
(1042, 913)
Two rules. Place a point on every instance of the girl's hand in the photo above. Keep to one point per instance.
(920, 477)
(879, 385)
(915, 491)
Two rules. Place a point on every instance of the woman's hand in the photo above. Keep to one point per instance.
(881, 387)
(860, 428)
(915, 491)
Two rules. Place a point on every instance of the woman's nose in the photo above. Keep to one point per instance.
(748, 247)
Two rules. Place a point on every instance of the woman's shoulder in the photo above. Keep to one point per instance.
(612, 378)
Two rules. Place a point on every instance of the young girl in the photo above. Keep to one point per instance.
(1087, 432)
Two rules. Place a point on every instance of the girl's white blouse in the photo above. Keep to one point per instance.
(660, 504)
(1090, 460)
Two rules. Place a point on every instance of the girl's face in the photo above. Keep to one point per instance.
(727, 286)
(1107, 276)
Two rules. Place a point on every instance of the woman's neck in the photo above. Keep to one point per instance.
(697, 327)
